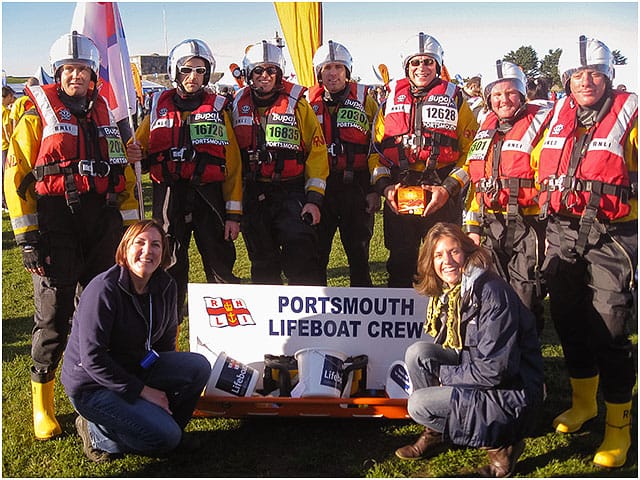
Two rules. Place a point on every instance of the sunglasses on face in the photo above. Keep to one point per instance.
(424, 61)
(187, 70)
(269, 70)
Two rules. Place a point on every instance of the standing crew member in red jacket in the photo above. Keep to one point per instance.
(588, 174)
(422, 139)
(285, 168)
(188, 146)
(68, 188)
(346, 114)
(503, 203)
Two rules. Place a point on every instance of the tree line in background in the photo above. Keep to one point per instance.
(533, 67)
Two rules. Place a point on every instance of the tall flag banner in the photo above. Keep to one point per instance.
(301, 24)
(101, 22)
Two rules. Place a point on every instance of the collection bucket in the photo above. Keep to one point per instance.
(398, 381)
(320, 372)
(231, 378)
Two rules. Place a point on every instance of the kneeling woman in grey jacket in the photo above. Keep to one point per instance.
(479, 381)
(121, 371)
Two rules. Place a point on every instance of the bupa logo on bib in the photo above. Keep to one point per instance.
(332, 372)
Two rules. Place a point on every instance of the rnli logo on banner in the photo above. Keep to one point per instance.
(227, 312)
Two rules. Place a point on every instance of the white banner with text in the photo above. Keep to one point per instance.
(248, 321)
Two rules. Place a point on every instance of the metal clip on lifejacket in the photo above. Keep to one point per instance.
(88, 168)
(180, 154)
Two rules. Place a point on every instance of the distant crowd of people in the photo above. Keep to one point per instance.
(493, 199)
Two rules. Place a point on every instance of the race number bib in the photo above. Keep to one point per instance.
(479, 148)
(440, 117)
(208, 128)
(115, 145)
(352, 118)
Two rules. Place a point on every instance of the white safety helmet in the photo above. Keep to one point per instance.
(332, 52)
(262, 52)
(588, 52)
(186, 50)
(74, 48)
(507, 71)
(422, 44)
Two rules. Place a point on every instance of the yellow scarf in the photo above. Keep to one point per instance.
(452, 317)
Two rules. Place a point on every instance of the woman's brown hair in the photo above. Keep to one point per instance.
(132, 232)
(427, 282)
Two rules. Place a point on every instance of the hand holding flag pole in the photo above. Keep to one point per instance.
(126, 70)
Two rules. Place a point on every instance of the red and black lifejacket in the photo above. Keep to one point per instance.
(589, 172)
(271, 145)
(347, 131)
(76, 156)
(194, 149)
(421, 129)
(509, 178)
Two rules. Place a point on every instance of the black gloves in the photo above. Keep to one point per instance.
(31, 257)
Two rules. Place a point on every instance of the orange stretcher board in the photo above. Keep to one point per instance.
(360, 407)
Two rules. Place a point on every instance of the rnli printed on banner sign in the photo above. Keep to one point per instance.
(227, 312)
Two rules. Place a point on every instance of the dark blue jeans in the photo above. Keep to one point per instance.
(118, 426)
(430, 403)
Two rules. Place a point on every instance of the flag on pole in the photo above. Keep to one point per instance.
(101, 22)
(301, 24)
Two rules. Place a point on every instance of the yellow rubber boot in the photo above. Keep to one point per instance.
(584, 405)
(45, 425)
(612, 453)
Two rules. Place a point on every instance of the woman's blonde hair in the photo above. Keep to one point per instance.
(132, 232)
(426, 281)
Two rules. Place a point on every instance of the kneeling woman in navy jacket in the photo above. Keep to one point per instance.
(121, 371)
(479, 382)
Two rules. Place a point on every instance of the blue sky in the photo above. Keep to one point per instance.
(473, 34)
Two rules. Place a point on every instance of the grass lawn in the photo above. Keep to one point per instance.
(273, 447)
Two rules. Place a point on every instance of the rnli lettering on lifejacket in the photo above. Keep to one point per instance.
(65, 128)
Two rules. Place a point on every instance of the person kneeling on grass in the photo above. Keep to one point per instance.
(479, 382)
(133, 391)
